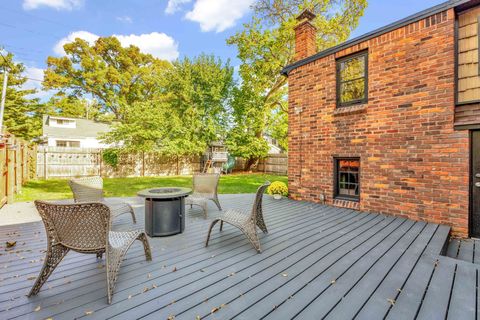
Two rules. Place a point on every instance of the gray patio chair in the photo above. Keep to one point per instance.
(90, 189)
(84, 228)
(246, 222)
(205, 188)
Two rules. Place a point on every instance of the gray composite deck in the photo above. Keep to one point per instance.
(317, 262)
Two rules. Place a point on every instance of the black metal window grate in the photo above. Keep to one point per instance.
(347, 178)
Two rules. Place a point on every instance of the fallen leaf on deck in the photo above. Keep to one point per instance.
(32, 278)
(333, 281)
(197, 318)
(202, 270)
(88, 312)
(38, 308)
(11, 244)
(130, 297)
(171, 317)
(149, 276)
(392, 301)
(214, 310)
(145, 289)
(285, 274)
(174, 269)
(154, 286)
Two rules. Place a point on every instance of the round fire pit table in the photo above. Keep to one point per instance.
(164, 210)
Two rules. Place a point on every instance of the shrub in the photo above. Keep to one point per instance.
(110, 157)
(278, 187)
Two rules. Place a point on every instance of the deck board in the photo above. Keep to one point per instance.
(317, 261)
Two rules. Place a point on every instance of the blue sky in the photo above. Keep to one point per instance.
(35, 29)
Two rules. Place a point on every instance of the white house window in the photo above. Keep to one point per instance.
(68, 143)
(62, 123)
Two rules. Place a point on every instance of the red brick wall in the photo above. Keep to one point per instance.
(413, 163)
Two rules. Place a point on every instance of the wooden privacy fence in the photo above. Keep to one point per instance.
(59, 162)
(17, 166)
(273, 163)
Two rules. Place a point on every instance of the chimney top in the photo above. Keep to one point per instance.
(306, 15)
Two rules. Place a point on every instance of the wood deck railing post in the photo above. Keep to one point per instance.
(10, 174)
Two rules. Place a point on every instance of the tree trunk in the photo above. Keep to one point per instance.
(251, 162)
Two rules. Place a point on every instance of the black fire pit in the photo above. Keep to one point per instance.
(164, 210)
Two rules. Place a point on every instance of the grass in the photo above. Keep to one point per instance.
(128, 187)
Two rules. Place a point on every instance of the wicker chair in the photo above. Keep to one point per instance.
(90, 189)
(205, 188)
(246, 222)
(84, 228)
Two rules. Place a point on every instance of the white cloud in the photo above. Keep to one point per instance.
(125, 19)
(157, 44)
(55, 4)
(218, 15)
(175, 5)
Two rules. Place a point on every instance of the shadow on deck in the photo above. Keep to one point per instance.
(317, 262)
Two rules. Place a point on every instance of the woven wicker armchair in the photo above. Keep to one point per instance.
(90, 189)
(84, 228)
(205, 188)
(246, 222)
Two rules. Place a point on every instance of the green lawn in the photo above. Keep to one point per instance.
(128, 187)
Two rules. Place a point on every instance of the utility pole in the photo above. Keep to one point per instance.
(4, 94)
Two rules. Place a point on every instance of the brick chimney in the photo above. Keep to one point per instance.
(305, 36)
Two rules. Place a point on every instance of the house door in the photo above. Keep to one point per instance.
(475, 186)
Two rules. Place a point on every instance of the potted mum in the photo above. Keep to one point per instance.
(278, 189)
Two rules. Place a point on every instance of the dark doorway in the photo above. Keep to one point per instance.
(475, 186)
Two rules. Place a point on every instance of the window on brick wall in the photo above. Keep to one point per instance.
(347, 178)
(352, 79)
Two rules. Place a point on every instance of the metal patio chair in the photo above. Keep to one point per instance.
(90, 189)
(246, 222)
(205, 188)
(84, 228)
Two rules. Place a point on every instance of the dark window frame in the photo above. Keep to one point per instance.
(338, 62)
(336, 191)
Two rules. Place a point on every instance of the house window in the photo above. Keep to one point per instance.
(352, 79)
(347, 178)
(67, 143)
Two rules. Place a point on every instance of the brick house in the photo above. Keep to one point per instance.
(387, 122)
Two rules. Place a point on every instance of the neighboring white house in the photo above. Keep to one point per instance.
(73, 133)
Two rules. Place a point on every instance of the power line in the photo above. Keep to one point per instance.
(37, 17)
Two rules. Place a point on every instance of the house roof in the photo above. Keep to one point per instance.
(375, 33)
(84, 128)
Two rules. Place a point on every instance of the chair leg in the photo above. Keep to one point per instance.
(210, 231)
(252, 236)
(146, 246)
(205, 209)
(132, 212)
(54, 255)
(99, 255)
(217, 202)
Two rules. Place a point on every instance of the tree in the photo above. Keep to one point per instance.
(189, 115)
(23, 114)
(265, 46)
(73, 107)
(113, 75)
